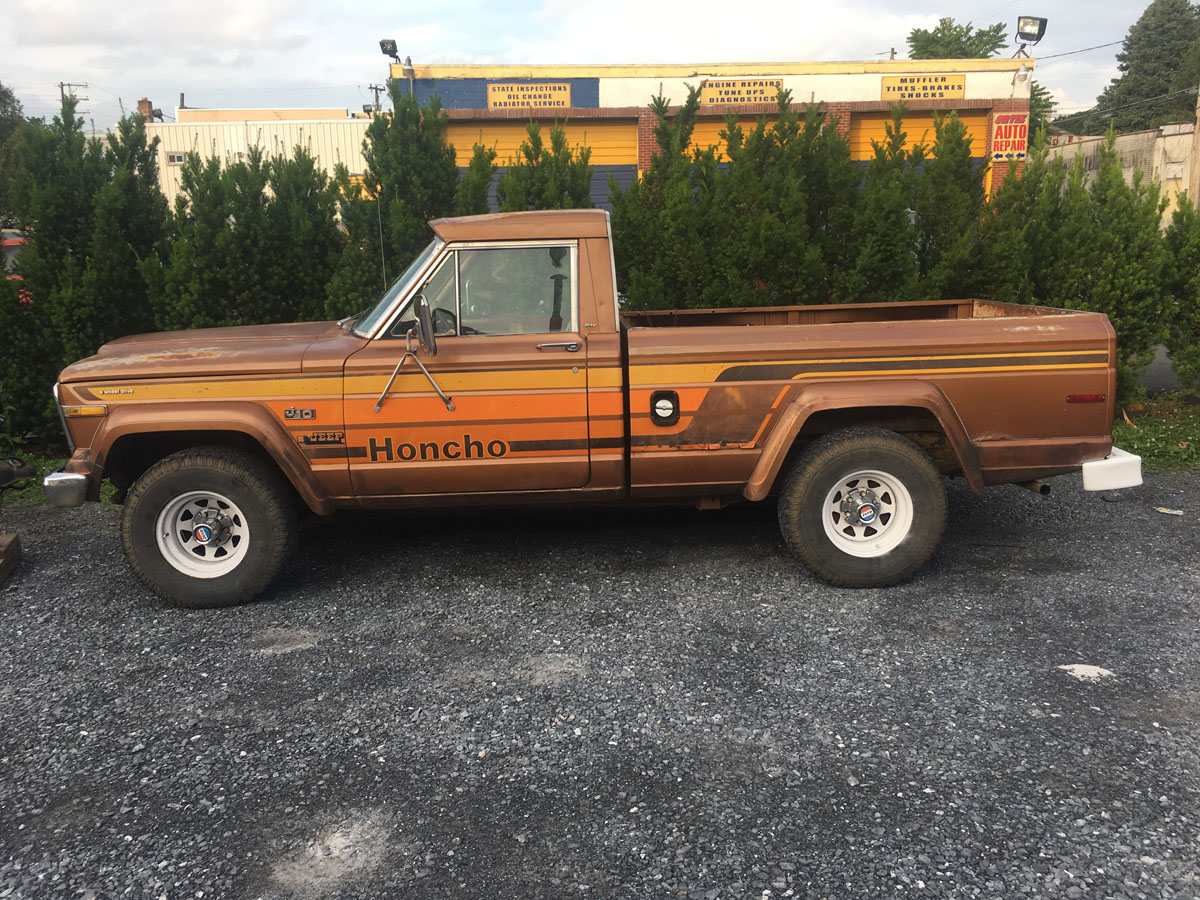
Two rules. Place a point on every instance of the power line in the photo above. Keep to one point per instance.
(66, 88)
(1111, 109)
(1084, 50)
(998, 11)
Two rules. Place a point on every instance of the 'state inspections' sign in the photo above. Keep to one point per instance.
(923, 87)
(740, 90)
(1010, 136)
(541, 95)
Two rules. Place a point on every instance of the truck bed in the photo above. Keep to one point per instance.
(1029, 389)
(841, 313)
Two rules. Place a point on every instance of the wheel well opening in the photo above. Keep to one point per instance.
(131, 455)
(916, 423)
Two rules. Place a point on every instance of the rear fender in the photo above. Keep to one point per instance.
(814, 398)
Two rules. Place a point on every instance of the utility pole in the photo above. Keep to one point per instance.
(893, 53)
(376, 89)
(65, 88)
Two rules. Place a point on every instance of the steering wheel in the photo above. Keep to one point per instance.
(444, 321)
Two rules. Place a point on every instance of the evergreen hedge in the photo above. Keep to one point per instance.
(777, 213)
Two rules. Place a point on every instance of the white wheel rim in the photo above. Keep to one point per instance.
(857, 531)
(181, 536)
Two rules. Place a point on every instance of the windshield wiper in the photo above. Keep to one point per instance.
(342, 323)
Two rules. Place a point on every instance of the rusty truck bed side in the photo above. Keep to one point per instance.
(993, 378)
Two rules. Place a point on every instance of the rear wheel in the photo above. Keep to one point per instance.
(863, 507)
(208, 527)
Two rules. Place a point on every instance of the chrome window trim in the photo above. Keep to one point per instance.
(385, 321)
(457, 296)
(451, 250)
(62, 417)
(612, 260)
(444, 256)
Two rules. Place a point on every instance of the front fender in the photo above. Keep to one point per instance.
(249, 419)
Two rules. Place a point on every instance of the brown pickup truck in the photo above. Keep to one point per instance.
(499, 369)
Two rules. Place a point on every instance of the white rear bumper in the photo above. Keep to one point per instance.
(1117, 470)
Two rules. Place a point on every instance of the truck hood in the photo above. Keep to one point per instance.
(244, 350)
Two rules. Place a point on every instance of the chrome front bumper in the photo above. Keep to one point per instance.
(1117, 470)
(65, 489)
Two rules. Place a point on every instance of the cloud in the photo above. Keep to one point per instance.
(265, 53)
(634, 31)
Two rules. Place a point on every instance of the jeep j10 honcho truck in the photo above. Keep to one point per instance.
(499, 369)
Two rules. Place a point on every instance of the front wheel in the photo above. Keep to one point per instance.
(863, 507)
(208, 527)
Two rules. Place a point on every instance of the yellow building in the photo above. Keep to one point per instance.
(607, 107)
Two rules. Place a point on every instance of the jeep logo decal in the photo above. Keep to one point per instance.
(426, 450)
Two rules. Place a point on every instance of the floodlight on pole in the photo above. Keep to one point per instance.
(387, 46)
(1030, 30)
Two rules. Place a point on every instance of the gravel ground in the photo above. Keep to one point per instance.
(649, 703)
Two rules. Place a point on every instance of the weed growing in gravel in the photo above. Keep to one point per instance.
(1164, 431)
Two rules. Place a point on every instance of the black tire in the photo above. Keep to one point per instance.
(257, 540)
(826, 537)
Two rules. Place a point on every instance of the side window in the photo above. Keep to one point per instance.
(439, 290)
(519, 290)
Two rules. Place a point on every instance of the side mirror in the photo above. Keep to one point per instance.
(424, 329)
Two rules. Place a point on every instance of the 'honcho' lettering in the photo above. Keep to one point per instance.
(387, 451)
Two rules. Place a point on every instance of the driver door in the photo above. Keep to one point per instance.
(510, 356)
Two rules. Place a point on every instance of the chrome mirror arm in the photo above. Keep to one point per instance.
(408, 351)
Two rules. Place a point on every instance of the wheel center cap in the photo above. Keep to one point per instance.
(861, 507)
(210, 531)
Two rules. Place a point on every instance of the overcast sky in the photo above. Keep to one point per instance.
(301, 53)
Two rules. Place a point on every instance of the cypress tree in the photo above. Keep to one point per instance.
(411, 177)
(540, 177)
(832, 182)
(885, 267)
(303, 236)
(662, 223)
(358, 276)
(12, 119)
(1128, 257)
(412, 171)
(471, 195)
(24, 391)
(759, 220)
(195, 288)
(1182, 283)
(128, 231)
(948, 203)
(95, 217)
(1002, 258)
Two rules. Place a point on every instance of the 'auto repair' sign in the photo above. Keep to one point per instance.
(1010, 135)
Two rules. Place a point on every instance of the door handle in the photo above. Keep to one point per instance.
(569, 346)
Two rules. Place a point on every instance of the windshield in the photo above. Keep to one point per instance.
(365, 323)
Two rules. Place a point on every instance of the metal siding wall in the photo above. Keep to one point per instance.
(612, 143)
(471, 93)
(329, 143)
(918, 125)
(622, 175)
